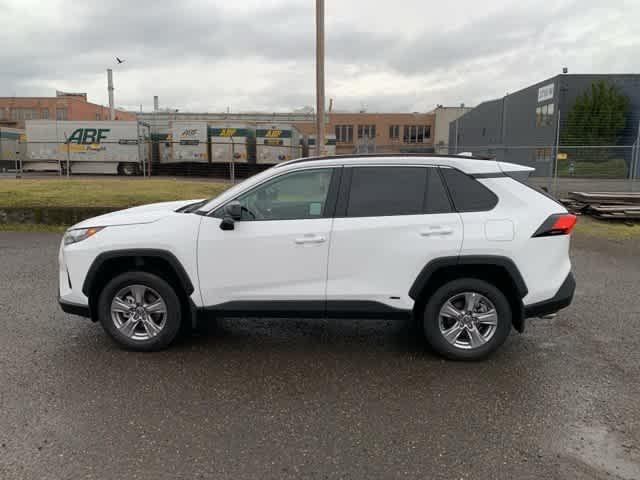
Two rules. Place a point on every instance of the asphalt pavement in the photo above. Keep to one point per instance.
(319, 399)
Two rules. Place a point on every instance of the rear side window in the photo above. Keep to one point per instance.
(387, 191)
(468, 194)
(384, 191)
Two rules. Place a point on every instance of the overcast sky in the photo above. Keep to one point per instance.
(248, 55)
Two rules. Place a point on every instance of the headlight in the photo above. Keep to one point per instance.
(79, 234)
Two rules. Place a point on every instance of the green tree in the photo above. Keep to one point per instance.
(597, 118)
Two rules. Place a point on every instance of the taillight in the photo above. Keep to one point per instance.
(558, 224)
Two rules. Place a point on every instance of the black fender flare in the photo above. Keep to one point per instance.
(467, 260)
(139, 253)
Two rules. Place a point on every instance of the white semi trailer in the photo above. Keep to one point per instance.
(106, 147)
(228, 142)
(189, 142)
(12, 148)
(277, 143)
(329, 145)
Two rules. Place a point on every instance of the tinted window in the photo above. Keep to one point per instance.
(383, 191)
(437, 200)
(300, 195)
(468, 194)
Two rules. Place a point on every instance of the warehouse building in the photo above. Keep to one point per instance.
(525, 126)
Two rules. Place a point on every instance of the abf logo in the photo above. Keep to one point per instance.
(189, 132)
(227, 132)
(88, 136)
(273, 133)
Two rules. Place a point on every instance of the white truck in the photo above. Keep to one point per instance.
(105, 147)
(12, 148)
(228, 142)
(277, 143)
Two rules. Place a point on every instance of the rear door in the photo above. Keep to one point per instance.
(390, 222)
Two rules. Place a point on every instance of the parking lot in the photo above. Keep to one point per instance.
(319, 399)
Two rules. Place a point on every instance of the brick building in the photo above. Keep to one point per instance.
(64, 106)
(382, 132)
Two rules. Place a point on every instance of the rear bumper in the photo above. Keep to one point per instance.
(75, 309)
(560, 300)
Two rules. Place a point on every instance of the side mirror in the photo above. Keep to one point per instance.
(233, 210)
(227, 224)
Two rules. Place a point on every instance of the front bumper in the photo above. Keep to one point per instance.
(560, 300)
(75, 308)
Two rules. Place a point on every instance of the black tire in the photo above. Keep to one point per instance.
(431, 319)
(128, 169)
(173, 311)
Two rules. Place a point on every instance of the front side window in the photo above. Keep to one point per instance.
(295, 196)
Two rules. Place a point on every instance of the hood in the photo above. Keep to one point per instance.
(135, 215)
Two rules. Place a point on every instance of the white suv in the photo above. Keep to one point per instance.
(459, 243)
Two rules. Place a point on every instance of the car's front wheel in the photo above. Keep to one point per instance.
(467, 319)
(140, 311)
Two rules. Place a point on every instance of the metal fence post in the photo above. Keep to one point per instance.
(555, 157)
(232, 170)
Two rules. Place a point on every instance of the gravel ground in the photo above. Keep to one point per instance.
(319, 399)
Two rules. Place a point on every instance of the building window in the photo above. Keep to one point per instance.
(366, 131)
(544, 115)
(20, 114)
(544, 154)
(394, 132)
(98, 116)
(61, 113)
(344, 133)
(416, 133)
(484, 132)
(44, 113)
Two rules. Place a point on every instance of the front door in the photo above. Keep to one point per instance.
(275, 258)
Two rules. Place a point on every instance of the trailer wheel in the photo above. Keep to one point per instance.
(128, 169)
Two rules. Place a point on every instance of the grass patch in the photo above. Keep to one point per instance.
(588, 226)
(614, 168)
(31, 227)
(102, 192)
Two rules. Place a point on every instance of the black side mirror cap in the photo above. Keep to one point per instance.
(227, 224)
(233, 210)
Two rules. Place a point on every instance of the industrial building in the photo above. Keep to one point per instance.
(443, 117)
(383, 132)
(14, 111)
(525, 126)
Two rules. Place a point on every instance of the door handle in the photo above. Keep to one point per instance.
(310, 239)
(436, 231)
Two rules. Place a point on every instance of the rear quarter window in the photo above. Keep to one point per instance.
(467, 193)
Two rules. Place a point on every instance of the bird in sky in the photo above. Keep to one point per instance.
(119, 61)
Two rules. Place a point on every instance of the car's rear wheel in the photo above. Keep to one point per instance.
(467, 319)
(140, 311)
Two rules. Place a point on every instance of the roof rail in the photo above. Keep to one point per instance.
(384, 155)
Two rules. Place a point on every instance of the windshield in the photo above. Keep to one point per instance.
(231, 192)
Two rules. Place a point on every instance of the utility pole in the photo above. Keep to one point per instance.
(110, 89)
(320, 136)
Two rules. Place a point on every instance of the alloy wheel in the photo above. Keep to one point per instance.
(139, 312)
(468, 320)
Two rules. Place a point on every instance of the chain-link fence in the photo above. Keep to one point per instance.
(570, 156)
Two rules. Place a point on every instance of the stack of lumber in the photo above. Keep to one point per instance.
(605, 205)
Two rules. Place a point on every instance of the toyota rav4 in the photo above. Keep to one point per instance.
(460, 244)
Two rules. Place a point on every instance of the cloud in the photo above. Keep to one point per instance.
(259, 54)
